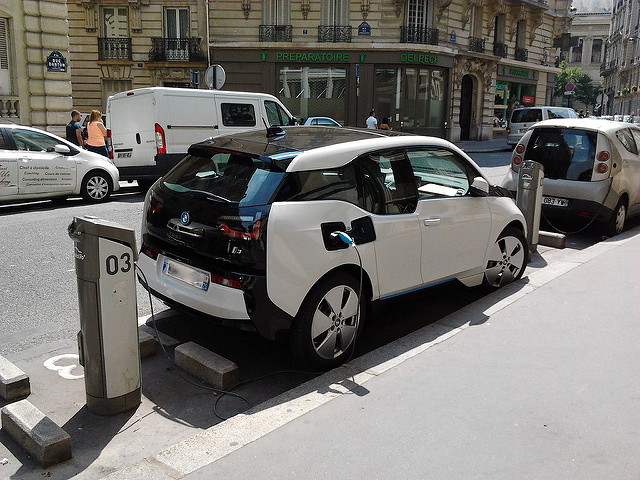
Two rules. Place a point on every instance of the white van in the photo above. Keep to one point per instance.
(522, 118)
(152, 128)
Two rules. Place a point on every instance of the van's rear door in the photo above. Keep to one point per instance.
(131, 121)
(190, 117)
(238, 113)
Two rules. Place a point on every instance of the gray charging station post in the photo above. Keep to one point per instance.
(105, 253)
(529, 198)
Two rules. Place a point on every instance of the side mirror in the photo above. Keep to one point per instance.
(62, 149)
(479, 187)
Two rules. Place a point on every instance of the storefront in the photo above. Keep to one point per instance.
(515, 87)
(411, 89)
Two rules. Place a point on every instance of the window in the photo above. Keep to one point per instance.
(335, 12)
(596, 51)
(418, 14)
(176, 22)
(33, 141)
(238, 115)
(576, 52)
(526, 115)
(521, 34)
(276, 12)
(388, 185)
(626, 138)
(5, 72)
(499, 28)
(476, 21)
(276, 114)
(115, 22)
(565, 153)
(439, 173)
(331, 184)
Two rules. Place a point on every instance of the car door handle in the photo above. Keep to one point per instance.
(431, 221)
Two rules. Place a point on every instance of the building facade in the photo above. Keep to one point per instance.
(621, 67)
(120, 45)
(592, 31)
(35, 80)
(437, 67)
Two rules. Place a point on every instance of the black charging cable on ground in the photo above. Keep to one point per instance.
(577, 231)
(221, 393)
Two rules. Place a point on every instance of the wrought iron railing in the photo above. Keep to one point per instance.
(476, 45)
(176, 50)
(275, 33)
(500, 50)
(114, 48)
(334, 34)
(424, 35)
(521, 54)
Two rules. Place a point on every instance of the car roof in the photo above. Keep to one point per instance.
(602, 125)
(315, 147)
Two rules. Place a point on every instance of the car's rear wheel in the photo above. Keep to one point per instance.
(324, 332)
(507, 259)
(615, 225)
(96, 187)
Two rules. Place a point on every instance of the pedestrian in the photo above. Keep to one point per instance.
(96, 133)
(372, 121)
(581, 114)
(74, 129)
(385, 124)
(632, 118)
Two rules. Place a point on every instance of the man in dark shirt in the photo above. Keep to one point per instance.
(74, 129)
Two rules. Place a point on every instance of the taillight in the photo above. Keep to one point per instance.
(604, 156)
(602, 168)
(227, 282)
(149, 253)
(109, 144)
(161, 146)
(520, 149)
(508, 130)
(233, 233)
(517, 160)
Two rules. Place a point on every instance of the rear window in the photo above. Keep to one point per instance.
(238, 115)
(565, 153)
(526, 115)
(226, 177)
(561, 113)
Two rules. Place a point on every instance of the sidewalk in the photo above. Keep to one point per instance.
(485, 146)
(538, 380)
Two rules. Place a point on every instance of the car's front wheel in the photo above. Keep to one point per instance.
(507, 259)
(96, 187)
(324, 332)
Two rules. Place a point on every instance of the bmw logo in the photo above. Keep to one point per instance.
(185, 218)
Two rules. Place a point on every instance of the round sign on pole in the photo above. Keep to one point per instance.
(570, 87)
(215, 77)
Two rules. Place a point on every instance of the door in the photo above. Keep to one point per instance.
(8, 169)
(466, 105)
(177, 33)
(389, 193)
(190, 119)
(40, 168)
(455, 225)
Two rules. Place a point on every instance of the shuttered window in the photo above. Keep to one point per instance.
(4, 44)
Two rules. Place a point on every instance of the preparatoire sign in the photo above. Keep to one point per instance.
(56, 62)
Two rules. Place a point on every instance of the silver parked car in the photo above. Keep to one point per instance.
(522, 118)
(591, 169)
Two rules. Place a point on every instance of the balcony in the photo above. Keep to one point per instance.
(476, 45)
(176, 50)
(10, 108)
(522, 54)
(334, 34)
(275, 33)
(428, 36)
(543, 4)
(500, 50)
(608, 67)
(114, 48)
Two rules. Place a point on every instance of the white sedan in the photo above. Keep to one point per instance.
(36, 164)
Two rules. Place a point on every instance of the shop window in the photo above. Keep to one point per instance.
(314, 91)
(424, 100)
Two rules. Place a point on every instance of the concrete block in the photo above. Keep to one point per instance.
(147, 344)
(551, 239)
(207, 366)
(14, 383)
(164, 339)
(36, 433)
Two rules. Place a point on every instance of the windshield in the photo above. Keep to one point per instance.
(226, 177)
(565, 153)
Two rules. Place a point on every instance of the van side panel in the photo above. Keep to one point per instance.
(190, 119)
(239, 114)
(132, 132)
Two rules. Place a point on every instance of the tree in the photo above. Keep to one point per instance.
(585, 90)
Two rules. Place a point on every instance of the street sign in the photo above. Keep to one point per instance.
(570, 87)
(56, 62)
(215, 77)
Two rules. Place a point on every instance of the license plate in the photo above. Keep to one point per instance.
(555, 201)
(124, 154)
(191, 276)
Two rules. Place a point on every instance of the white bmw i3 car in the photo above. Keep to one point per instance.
(295, 232)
